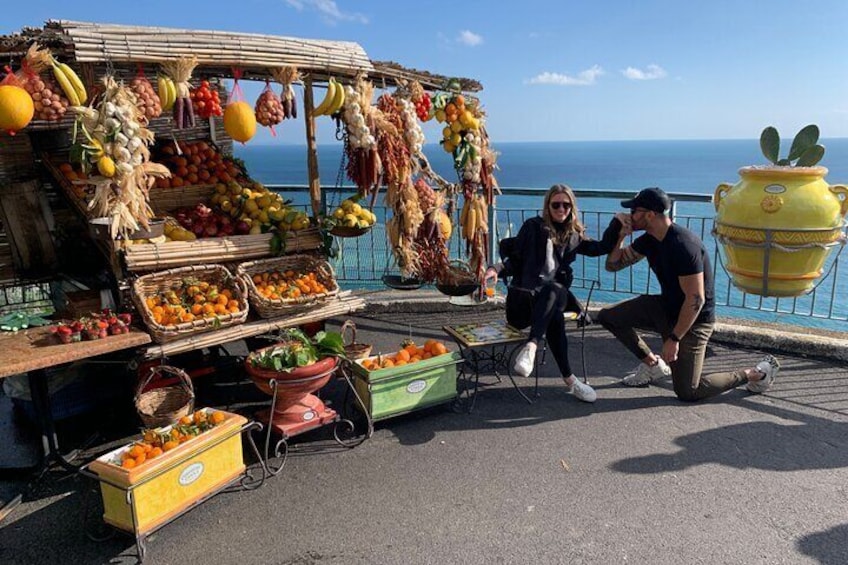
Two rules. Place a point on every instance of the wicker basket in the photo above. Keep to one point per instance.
(165, 405)
(268, 308)
(354, 350)
(213, 274)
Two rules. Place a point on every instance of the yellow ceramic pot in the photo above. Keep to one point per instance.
(777, 226)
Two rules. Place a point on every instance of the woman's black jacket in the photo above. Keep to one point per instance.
(524, 257)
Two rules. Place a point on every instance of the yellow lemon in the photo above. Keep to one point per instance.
(338, 213)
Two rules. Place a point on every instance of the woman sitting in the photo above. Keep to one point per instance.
(541, 275)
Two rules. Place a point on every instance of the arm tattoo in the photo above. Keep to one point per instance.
(697, 303)
(628, 257)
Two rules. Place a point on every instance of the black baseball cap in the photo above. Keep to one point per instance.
(653, 199)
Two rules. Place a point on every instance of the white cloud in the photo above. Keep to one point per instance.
(469, 38)
(652, 72)
(583, 78)
(329, 11)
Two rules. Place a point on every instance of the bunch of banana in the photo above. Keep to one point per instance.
(167, 92)
(70, 82)
(474, 217)
(333, 100)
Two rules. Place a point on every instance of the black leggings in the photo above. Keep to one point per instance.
(542, 311)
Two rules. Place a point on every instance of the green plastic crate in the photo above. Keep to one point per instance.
(398, 390)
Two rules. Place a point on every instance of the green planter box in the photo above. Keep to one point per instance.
(398, 390)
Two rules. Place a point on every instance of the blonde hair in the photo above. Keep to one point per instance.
(572, 222)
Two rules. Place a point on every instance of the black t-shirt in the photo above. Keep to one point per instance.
(679, 254)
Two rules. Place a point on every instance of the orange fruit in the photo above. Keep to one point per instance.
(128, 463)
(186, 420)
(141, 459)
(136, 450)
(439, 349)
(169, 445)
(155, 452)
(403, 355)
(217, 417)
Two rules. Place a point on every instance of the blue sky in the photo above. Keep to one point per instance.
(563, 70)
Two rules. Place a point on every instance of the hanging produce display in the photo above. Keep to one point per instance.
(333, 100)
(779, 223)
(16, 106)
(206, 101)
(465, 138)
(179, 71)
(269, 108)
(50, 101)
(167, 92)
(239, 118)
(148, 100)
(364, 166)
(287, 77)
(115, 144)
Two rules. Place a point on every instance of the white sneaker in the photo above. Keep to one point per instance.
(525, 360)
(646, 374)
(769, 366)
(583, 391)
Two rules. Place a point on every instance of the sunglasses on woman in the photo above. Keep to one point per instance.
(558, 205)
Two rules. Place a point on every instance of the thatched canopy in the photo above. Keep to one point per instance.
(218, 52)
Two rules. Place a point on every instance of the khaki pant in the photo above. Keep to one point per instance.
(647, 312)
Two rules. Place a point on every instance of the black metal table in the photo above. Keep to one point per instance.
(487, 347)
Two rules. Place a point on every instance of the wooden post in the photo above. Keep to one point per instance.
(311, 147)
(24, 218)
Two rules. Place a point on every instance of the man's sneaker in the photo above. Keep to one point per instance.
(769, 366)
(583, 391)
(525, 359)
(646, 374)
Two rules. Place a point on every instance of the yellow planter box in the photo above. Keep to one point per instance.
(141, 499)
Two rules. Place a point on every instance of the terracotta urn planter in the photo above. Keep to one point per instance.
(777, 226)
(296, 409)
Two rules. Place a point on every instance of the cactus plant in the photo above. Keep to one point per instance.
(805, 150)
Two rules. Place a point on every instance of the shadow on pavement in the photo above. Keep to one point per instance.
(829, 547)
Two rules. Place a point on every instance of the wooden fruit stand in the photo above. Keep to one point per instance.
(40, 165)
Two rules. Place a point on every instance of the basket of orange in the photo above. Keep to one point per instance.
(164, 405)
(288, 284)
(181, 302)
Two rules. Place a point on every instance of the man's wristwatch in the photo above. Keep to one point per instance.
(674, 338)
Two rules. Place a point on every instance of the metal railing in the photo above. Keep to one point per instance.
(363, 261)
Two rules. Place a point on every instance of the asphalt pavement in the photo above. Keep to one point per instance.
(637, 477)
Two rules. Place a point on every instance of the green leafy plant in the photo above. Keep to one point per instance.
(296, 349)
(805, 151)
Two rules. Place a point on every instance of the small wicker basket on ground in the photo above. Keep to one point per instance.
(164, 406)
(154, 283)
(354, 350)
(268, 308)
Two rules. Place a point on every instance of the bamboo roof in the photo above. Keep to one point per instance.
(217, 52)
